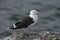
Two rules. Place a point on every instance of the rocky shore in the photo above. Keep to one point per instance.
(43, 35)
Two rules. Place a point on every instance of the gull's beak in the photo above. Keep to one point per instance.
(37, 12)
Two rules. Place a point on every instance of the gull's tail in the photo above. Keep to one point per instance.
(12, 27)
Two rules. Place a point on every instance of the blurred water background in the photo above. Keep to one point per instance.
(13, 10)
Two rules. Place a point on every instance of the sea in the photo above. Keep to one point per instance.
(13, 10)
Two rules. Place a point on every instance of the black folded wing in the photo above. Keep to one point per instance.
(23, 23)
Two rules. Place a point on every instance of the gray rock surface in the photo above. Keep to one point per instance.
(44, 35)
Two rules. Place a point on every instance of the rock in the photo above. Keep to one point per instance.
(44, 35)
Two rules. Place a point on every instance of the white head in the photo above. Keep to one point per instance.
(33, 12)
(34, 15)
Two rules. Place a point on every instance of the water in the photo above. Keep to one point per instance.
(13, 10)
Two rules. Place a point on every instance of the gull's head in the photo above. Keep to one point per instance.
(34, 12)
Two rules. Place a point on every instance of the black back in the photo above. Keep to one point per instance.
(24, 22)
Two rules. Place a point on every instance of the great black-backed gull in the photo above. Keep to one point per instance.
(26, 21)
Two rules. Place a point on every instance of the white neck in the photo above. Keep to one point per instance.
(35, 17)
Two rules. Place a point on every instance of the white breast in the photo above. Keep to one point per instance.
(35, 18)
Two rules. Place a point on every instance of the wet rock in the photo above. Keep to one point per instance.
(44, 35)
